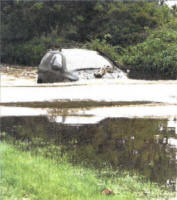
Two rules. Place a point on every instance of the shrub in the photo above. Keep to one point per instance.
(155, 58)
(29, 52)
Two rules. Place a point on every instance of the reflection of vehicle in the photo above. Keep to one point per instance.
(172, 125)
(74, 64)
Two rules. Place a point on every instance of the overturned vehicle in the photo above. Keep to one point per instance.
(76, 64)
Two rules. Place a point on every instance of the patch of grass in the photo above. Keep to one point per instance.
(35, 177)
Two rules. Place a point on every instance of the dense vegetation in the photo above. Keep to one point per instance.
(139, 36)
(156, 57)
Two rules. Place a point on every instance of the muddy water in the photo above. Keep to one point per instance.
(148, 146)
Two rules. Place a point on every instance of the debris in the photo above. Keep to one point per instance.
(109, 69)
(107, 192)
(100, 73)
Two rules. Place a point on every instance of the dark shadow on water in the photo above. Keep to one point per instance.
(129, 144)
(72, 104)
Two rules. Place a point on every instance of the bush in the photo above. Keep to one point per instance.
(155, 58)
(29, 28)
(29, 52)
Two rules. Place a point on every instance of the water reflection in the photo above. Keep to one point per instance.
(172, 124)
(146, 145)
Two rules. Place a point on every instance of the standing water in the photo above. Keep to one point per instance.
(147, 146)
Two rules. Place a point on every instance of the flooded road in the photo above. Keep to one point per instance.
(93, 90)
(125, 124)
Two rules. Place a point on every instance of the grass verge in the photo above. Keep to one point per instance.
(35, 177)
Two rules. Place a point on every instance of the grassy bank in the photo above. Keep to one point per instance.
(34, 177)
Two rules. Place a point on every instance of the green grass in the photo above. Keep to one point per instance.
(35, 177)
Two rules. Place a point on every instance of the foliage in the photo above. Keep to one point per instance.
(31, 52)
(37, 177)
(29, 28)
(141, 36)
(156, 57)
